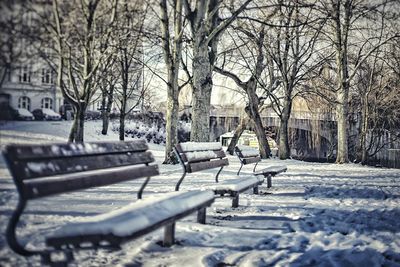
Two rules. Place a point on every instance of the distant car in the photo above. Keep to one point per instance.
(23, 114)
(46, 114)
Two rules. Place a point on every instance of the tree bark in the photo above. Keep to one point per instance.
(236, 135)
(77, 131)
(284, 148)
(364, 131)
(172, 58)
(254, 115)
(341, 120)
(202, 83)
(342, 93)
(171, 125)
(122, 116)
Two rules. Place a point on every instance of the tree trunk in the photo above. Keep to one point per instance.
(254, 115)
(202, 83)
(284, 148)
(342, 94)
(77, 131)
(172, 58)
(104, 115)
(364, 131)
(72, 132)
(122, 125)
(238, 132)
(341, 120)
(172, 125)
(105, 112)
(263, 145)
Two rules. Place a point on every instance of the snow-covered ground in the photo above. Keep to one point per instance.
(314, 215)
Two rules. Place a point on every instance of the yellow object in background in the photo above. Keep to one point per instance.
(253, 143)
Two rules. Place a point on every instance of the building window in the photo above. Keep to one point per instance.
(24, 102)
(47, 76)
(24, 75)
(47, 102)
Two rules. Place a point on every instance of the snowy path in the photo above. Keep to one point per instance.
(314, 215)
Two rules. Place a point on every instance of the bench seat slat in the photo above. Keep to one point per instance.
(246, 152)
(196, 156)
(251, 160)
(26, 152)
(45, 167)
(133, 220)
(272, 170)
(204, 165)
(70, 182)
(237, 184)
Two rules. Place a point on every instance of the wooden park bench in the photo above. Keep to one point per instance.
(48, 170)
(195, 157)
(248, 155)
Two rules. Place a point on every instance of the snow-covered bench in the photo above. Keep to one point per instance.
(47, 170)
(248, 155)
(199, 156)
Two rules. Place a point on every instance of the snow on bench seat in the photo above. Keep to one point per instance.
(132, 220)
(247, 151)
(237, 184)
(271, 170)
(248, 155)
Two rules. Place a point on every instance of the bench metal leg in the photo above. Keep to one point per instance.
(201, 216)
(169, 235)
(269, 181)
(255, 190)
(235, 201)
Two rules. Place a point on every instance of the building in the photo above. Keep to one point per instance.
(26, 78)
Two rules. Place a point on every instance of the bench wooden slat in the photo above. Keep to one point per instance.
(247, 152)
(70, 182)
(202, 155)
(271, 170)
(197, 146)
(251, 160)
(26, 152)
(204, 165)
(50, 167)
(237, 184)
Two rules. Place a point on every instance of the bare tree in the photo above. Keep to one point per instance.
(377, 103)
(291, 44)
(250, 87)
(129, 52)
(109, 79)
(172, 51)
(206, 26)
(82, 34)
(345, 18)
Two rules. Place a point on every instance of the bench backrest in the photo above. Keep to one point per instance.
(201, 156)
(198, 156)
(247, 155)
(43, 170)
